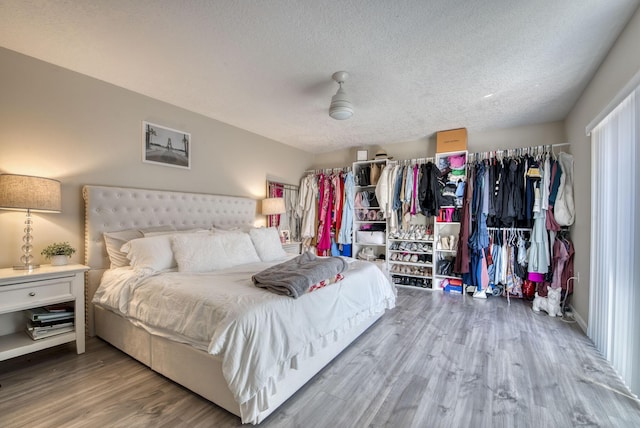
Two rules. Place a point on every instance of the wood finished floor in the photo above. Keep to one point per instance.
(437, 360)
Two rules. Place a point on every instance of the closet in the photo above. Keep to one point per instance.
(325, 209)
(514, 212)
(489, 223)
(409, 222)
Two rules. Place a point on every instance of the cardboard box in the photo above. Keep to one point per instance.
(453, 140)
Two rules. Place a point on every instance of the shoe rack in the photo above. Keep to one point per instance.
(410, 256)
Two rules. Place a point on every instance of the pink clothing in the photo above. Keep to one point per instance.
(324, 214)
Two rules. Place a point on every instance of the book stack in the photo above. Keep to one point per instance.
(50, 320)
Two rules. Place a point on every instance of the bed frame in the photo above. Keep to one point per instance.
(109, 209)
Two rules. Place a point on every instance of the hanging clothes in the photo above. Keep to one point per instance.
(382, 191)
(324, 215)
(462, 260)
(346, 225)
(306, 208)
(429, 189)
(564, 209)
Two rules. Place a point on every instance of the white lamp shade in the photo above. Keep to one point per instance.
(272, 206)
(25, 192)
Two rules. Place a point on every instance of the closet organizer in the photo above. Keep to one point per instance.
(326, 208)
(491, 223)
(518, 205)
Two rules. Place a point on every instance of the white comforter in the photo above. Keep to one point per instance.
(223, 313)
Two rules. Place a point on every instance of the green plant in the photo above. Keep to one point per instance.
(58, 249)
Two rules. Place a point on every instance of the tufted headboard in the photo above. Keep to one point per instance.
(109, 209)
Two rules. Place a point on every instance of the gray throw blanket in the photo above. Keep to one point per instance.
(294, 277)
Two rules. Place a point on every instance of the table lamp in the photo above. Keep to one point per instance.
(28, 193)
(272, 206)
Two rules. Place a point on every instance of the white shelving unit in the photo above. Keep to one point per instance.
(444, 229)
(410, 260)
(373, 241)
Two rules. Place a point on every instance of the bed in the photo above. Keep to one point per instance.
(211, 359)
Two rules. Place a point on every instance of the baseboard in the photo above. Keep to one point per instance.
(579, 320)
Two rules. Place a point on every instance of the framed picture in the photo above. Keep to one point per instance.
(361, 155)
(286, 236)
(165, 146)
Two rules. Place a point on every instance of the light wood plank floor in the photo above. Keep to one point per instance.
(437, 360)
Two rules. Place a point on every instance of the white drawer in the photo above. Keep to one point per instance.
(31, 295)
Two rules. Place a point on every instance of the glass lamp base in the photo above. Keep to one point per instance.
(29, 266)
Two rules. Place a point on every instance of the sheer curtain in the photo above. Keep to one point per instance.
(614, 305)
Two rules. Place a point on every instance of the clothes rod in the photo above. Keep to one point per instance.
(515, 229)
(283, 185)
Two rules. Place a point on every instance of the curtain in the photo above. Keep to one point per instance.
(614, 300)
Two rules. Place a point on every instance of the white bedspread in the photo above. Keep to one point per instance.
(223, 313)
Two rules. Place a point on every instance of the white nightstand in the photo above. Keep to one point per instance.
(292, 247)
(20, 290)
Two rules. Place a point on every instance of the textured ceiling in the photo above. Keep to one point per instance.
(416, 66)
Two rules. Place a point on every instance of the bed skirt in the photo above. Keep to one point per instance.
(201, 372)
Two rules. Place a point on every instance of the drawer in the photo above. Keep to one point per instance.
(31, 295)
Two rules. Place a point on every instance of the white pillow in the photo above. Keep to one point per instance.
(152, 253)
(245, 228)
(205, 253)
(115, 240)
(171, 232)
(267, 243)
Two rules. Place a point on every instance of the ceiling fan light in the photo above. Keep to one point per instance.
(340, 108)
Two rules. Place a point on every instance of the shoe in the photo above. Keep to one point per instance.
(414, 258)
(445, 243)
(449, 215)
(366, 254)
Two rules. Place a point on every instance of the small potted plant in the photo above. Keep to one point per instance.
(58, 253)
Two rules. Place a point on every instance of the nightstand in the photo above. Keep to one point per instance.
(292, 247)
(47, 285)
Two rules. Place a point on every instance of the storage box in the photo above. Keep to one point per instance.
(453, 140)
(370, 238)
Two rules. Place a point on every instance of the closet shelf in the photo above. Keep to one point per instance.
(409, 252)
(423, 241)
(417, 264)
(447, 276)
(421, 287)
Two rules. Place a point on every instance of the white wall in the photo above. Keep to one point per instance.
(479, 141)
(60, 124)
(620, 65)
